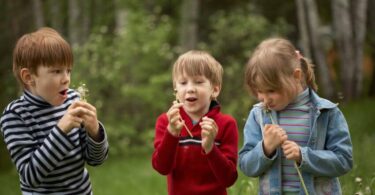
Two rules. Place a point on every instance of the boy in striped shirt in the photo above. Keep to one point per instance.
(49, 133)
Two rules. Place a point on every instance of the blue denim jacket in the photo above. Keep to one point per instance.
(327, 156)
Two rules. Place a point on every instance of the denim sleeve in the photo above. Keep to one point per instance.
(252, 160)
(336, 158)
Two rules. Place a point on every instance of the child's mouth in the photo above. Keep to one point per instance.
(191, 99)
(63, 92)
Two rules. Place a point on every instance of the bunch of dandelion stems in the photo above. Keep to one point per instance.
(295, 162)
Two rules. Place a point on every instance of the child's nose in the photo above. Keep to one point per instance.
(66, 78)
(190, 88)
(266, 100)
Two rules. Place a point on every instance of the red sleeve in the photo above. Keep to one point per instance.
(223, 159)
(165, 147)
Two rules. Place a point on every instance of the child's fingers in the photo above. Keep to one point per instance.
(172, 111)
(78, 111)
(174, 119)
(78, 121)
(209, 130)
(291, 149)
(177, 104)
(210, 122)
(270, 127)
(87, 106)
(74, 105)
(206, 133)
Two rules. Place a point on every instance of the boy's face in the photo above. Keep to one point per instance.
(196, 93)
(51, 83)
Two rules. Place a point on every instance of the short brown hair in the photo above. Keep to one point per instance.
(44, 47)
(271, 67)
(196, 63)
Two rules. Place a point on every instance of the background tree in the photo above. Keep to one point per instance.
(38, 13)
(189, 24)
(318, 52)
(349, 19)
(371, 38)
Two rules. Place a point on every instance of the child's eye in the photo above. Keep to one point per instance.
(271, 91)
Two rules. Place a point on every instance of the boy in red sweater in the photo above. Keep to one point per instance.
(195, 144)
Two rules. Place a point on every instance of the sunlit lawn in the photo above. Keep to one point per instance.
(134, 174)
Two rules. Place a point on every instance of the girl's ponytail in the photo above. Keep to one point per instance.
(308, 71)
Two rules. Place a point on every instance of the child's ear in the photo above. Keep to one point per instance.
(27, 77)
(297, 74)
(216, 91)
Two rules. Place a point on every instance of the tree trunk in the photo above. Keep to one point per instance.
(302, 27)
(371, 24)
(74, 26)
(86, 21)
(359, 21)
(38, 13)
(56, 15)
(343, 36)
(349, 26)
(189, 24)
(120, 17)
(317, 49)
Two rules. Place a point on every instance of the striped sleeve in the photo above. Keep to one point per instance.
(34, 161)
(97, 152)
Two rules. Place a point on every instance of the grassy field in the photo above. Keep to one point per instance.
(134, 175)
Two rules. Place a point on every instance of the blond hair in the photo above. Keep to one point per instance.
(198, 63)
(44, 47)
(272, 65)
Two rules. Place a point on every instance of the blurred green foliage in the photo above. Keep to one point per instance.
(129, 73)
(128, 76)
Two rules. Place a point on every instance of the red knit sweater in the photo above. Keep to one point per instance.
(189, 170)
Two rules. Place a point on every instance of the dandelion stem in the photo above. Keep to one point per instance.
(180, 119)
(187, 129)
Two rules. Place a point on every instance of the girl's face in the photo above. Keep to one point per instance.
(51, 84)
(196, 93)
(278, 99)
(274, 100)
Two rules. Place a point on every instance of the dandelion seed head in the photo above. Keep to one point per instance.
(83, 91)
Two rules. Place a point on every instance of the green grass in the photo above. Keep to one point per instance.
(128, 176)
(361, 119)
(134, 174)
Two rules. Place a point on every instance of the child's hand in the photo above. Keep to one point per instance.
(291, 151)
(90, 120)
(72, 118)
(175, 122)
(208, 134)
(274, 136)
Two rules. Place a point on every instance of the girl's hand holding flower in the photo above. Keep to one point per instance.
(274, 136)
(292, 151)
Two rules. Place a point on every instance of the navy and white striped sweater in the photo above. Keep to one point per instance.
(47, 160)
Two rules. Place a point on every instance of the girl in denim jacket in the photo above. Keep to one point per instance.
(294, 141)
